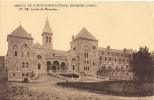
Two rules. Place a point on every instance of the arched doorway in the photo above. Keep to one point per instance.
(62, 66)
(56, 65)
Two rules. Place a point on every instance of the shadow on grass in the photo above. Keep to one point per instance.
(118, 88)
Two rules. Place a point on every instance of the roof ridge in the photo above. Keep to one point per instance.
(21, 32)
(84, 33)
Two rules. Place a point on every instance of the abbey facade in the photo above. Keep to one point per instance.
(84, 55)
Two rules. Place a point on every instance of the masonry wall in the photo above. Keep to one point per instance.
(82, 46)
(14, 61)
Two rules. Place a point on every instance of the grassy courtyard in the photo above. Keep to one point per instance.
(45, 88)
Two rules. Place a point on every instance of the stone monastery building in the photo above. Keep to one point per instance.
(84, 55)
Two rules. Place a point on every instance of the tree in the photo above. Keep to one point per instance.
(142, 64)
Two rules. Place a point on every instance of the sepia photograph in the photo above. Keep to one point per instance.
(76, 50)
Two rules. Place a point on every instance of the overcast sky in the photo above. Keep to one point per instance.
(118, 24)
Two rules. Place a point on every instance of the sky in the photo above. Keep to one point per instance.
(116, 24)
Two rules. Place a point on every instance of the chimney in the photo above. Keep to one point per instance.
(108, 48)
(72, 37)
(125, 50)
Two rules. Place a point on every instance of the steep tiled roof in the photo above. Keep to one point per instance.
(47, 27)
(37, 45)
(129, 51)
(21, 32)
(85, 34)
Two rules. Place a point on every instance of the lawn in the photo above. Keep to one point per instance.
(119, 88)
(45, 88)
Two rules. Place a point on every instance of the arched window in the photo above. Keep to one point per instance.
(127, 66)
(100, 58)
(39, 57)
(105, 59)
(115, 59)
(93, 63)
(74, 48)
(15, 53)
(22, 54)
(49, 40)
(46, 39)
(73, 67)
(116, 66)
(110, 58)
(25, 45)
(14, 74)
(62, 66)
(86, 67)
(119, 59)
(103, 67)
(123, 60)
(73, 59)
(85, 62)
(15, 65)
(87, 55)
(23, 64)
(28, 55)
(122, 66)
(27, 64)
(109, 67)
(39, 66)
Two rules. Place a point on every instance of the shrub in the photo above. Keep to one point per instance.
(70, 75)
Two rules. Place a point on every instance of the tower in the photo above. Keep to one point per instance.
(47, 35)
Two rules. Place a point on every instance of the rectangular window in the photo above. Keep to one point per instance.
(23, 74)
(14, 74)
(27, 74)
(94, 47)
(26, 64)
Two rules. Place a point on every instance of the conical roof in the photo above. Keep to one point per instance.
(21, 32)
(85, 34)
(47, 27)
